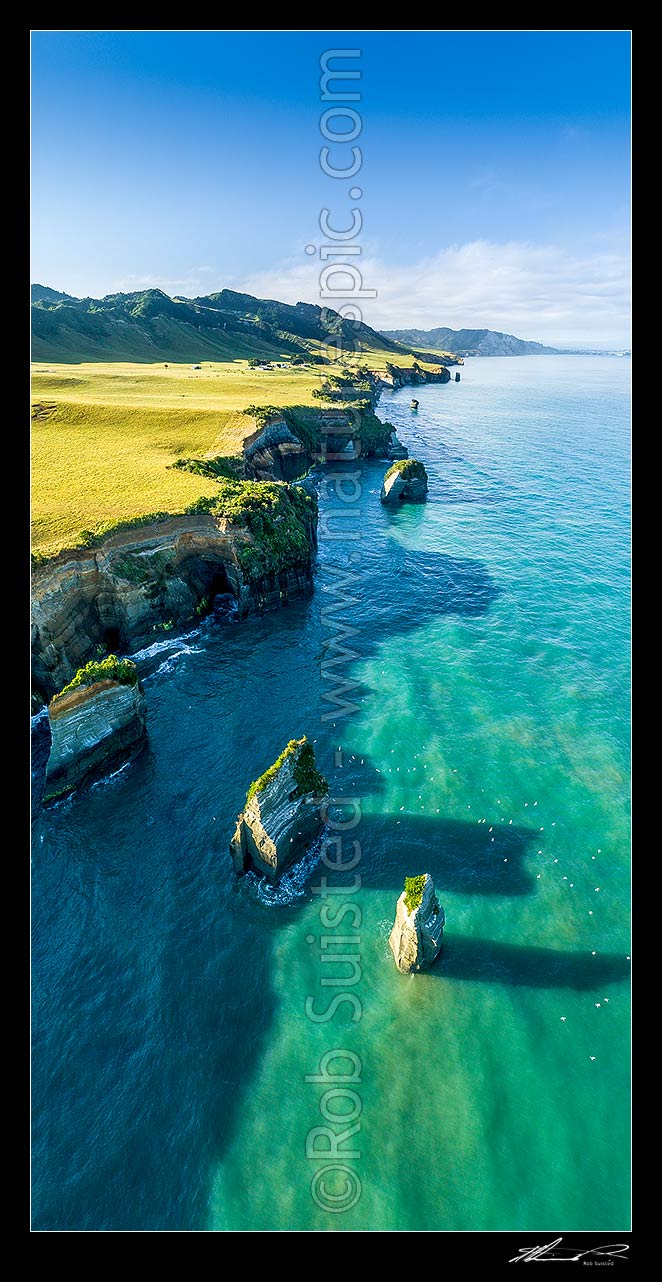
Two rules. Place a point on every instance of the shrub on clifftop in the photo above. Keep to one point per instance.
(414, 887)
(408, 468)
(305, 773)
(277, 515)
(123, 671)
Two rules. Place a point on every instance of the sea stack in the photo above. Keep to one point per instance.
(415, 939)
(97, 722)
(283, 813)
(406, 481)
(457, 376)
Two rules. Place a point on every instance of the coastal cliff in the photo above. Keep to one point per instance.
(273, 452)
(395, 376)
(98, 721)
(255, 541)
(286, 443)
(415, 939)
(158, 576)
(282, 815)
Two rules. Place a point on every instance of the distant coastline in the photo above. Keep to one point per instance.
(570, 351)
(487, 342)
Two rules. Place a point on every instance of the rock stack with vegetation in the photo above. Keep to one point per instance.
(415, 939)
(406, 481)
(282, 815)
(97, 721)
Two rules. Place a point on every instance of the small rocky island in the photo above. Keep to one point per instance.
(283, 813)
(415, 939)
(97, 721)
(406, 481)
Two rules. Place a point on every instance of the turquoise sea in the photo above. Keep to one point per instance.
(487, 634)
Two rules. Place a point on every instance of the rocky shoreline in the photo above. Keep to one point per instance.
(255, 542)
(161, 575)
(154, 579)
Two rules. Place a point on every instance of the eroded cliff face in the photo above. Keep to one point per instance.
(396, 450)
(274, 453)
(416, 937)
(93, 728)
(410, 375)
(152, 579)
(142, 583)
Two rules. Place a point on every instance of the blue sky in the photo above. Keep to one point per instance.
(495, 173)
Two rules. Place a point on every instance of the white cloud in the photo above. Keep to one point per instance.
(536, 292)
(188, 285)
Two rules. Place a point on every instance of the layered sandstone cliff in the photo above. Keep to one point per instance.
(282, 815)
(273, 452)
(394, 376)
(162, 576)
(94, 727)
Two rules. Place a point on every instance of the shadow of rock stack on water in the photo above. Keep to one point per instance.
(489, 962)
(460, 857)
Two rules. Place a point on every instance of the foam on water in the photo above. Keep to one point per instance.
(292, 885)
(112, 777)
(168, 643)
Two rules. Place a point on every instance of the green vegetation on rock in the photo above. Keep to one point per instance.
(346, 385)
(123, 671)
(305, 773)
(132, 568)
(374, 434)
(258, 785)
(94, 538)
(225, 465)
(302, 420)
(276, 514)
(407, 467)
(414, 887)
(262, 413)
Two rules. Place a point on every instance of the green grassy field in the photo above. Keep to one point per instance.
(103, 434)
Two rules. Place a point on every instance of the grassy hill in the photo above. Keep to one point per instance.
(470, 342)
(116, 400)
(150, 326)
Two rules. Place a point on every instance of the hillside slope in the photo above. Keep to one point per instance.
(148, 325)
(471, 342)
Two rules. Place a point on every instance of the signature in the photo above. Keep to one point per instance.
(554, 1251)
